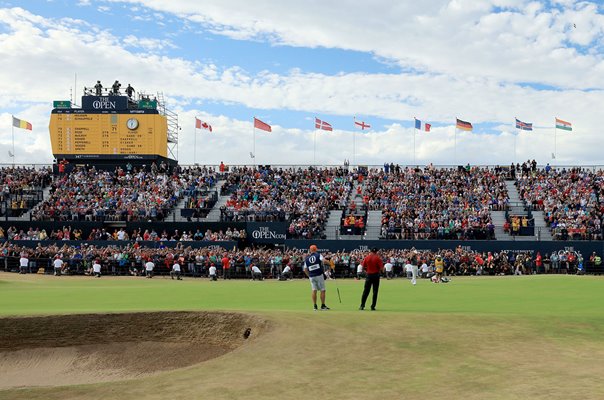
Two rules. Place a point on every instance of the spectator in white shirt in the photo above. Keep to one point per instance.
(176, 271)
(96, 268)
(286, 274)
(360, 272)
(388, 267)
(149, 266)
(212, 272)
(23, 263)
(58, 265)
(424, 270)
(256, 273)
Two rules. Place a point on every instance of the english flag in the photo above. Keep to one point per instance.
(361, 125)
(262, 125)
(322, 125)
(199, 124)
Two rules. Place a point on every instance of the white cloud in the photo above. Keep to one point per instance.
(148, 44)
(457, 37)
(64, 48)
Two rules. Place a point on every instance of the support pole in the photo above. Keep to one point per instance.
(314, 150)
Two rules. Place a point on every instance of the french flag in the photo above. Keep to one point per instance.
(422, 126)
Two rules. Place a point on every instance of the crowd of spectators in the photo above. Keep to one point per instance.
(131, 194)
(572, 200)
(416, 203)
(21, 188)
(431, 203)
(301, 196)
(19, 180)
(129, 259)
(120, 234)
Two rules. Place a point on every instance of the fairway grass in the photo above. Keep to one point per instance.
(529, 337)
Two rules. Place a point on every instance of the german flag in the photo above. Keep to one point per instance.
(463, 125)
(19, 123)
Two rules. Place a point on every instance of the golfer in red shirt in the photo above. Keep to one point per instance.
(373, 265)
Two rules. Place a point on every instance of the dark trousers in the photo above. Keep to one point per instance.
(372, 280)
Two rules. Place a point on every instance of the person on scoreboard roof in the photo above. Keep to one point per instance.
(116, 87)
(130, 91)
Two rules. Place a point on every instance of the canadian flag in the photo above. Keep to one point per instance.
(262, 125)
(199, 124)
(323, 125)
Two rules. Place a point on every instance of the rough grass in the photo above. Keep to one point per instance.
(539, 337)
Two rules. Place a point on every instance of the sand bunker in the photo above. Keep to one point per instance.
(76, 349)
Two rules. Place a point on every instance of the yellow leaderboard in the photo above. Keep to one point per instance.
(103, 134)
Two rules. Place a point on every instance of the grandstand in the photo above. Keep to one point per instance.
(195, 213)
(414, 204)
(116, 184)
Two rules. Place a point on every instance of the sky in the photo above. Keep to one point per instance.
(286, 62)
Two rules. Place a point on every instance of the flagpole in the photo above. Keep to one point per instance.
(314, 150)
(354, 132)
(555, 134)
(13, 135)
(354, 135)
(195, 145)
(254, 147)
(455, 145)
(515, 137)
(414, 132)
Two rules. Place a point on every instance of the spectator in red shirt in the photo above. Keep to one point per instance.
(373, 266)
(226, 266)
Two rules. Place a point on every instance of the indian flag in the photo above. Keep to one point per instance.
(565, 126)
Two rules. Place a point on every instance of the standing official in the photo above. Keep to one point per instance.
(373, 265)
(313, 268)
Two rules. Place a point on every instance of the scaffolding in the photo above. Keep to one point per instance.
(173, 128)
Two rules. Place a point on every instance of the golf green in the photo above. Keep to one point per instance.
(533, 337)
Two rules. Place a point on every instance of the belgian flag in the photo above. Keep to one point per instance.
(19, 123)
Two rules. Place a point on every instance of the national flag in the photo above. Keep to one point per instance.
(262, 125)
(199, 124)
(362, 125)
(326, 126)
(422, 126)
(525, 126)
(19, 123)
(565, 126)
(463, 125)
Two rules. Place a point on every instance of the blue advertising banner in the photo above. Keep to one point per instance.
(585, 247)
(114, 103)
(266, 232)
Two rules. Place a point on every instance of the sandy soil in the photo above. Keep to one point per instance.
(76, 349)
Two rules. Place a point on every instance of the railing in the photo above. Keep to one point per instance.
(239, 269)
(589, 167)
(369, 233)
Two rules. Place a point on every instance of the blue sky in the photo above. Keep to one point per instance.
(227, 61)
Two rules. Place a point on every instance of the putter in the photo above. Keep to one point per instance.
(339, 297)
